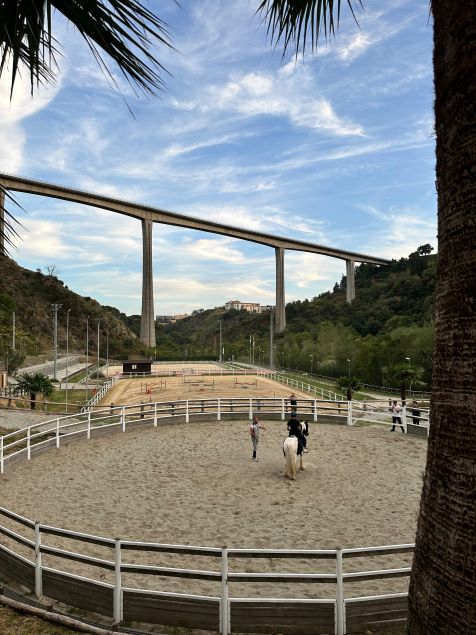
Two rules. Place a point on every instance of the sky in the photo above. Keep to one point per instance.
(334, 148)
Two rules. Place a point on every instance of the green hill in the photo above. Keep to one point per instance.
(31, 293)
(390, 320)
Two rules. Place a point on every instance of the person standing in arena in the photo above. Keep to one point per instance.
(255, 427)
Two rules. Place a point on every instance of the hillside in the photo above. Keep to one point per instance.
(31, 293)
(390, 320)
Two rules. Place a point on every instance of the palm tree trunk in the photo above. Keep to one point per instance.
(442, 597)
(32, 401)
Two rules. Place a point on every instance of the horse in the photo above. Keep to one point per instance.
(290, 449)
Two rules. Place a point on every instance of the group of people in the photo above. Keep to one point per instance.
(294, 429)
(396, 411)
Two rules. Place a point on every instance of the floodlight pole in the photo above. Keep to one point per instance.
(67, 357)
(55, 307)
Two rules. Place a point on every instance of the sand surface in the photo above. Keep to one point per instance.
(151, 389)
(196, 484)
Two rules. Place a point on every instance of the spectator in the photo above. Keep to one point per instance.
(416, 413)
(396, 416)
(293, 402)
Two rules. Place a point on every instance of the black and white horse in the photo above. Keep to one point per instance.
(291, 453)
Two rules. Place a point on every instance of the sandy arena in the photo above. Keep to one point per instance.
(151, 389)
(196, 484)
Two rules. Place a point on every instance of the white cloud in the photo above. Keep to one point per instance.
(281, 95)
(215, 249)
(14, 112)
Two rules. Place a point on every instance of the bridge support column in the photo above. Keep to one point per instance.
(280, 323)
(147, 323)
(350, 286)
(2, 223)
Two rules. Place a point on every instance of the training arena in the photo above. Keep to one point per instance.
(209, 539)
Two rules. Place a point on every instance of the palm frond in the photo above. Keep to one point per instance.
(122, 30)
(8, 220)
(292, 22)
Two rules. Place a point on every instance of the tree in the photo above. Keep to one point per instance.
(349, 384)
(124, 30)
(442, 595)
(34, 384)
(425, 250)
(406, 376)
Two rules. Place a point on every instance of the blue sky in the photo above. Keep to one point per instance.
(335, 148)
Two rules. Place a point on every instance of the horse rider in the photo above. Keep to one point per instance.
(295, 430)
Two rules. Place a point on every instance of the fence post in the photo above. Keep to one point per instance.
(315, 410)
(251, 408)
(219, 410)
(123, 418)
(155, 414)
(1, 456)
(187, 418)
(118, 609)
(28, 448)
(283, 413)
(57, 433)
(38, 572)
(349, 413)
(340, 620)
(88, 433)
(404, 418)
(224, 626)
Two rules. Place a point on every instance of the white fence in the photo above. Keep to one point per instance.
(221, 611)
(23, 443)
(306, 387)
(100, 393)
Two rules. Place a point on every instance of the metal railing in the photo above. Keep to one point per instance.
(306, 387)
(96, 398)
(22, 443)
(119, 597)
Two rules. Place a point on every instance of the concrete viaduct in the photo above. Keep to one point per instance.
(149, 215)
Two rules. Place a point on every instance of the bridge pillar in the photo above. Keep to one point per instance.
(350, 286)
(147, 322)
(280, 323)
(2, 223)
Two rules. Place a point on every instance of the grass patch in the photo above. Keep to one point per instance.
(15, 623)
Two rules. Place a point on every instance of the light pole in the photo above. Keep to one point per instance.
(67, 357)
(55, 307)
(312, 359)
(220, 355)
(107, 350)
(282, 353)
(349, 367)
(97, 372)
(87, 354)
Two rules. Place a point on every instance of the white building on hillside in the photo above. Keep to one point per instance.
(252, 307)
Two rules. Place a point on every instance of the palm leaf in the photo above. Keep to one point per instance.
(123, 30)
(7, 227)
(292, 22)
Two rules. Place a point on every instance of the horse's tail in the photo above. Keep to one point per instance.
(290, 448)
